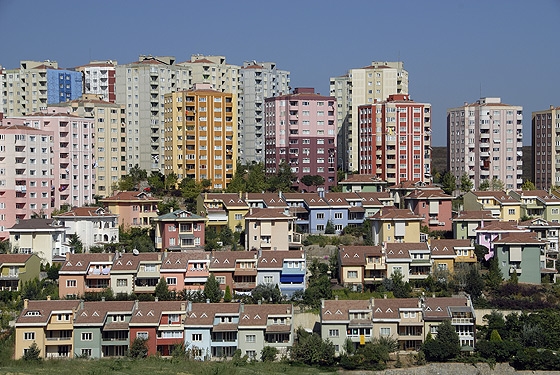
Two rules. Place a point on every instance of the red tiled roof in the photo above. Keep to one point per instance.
(86, 212)
(14, 258)
(356, 255)
(130, 196)
(44, 309)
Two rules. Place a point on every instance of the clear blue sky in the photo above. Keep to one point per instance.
(454, 50)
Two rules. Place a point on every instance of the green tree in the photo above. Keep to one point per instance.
(284, 180)
(32, 354)
(156, 182)
(445, 346)
(399, 287)
(311, 350)
(474, 283)
(238, 183)
(268, 354)
(168, 205)
(190, 190)
(227, 294)
(138, 348)
(484, 185)
(466, 183)
(528, 185)
(449, 183)
(266, 293)
(494, 276)
(212, 289)
(496, 185)
(5, 247)
(329, 228)
(162, 290)
(256, 179)
(75, 243)
(171, 181)
(136, 238)
(313, 180)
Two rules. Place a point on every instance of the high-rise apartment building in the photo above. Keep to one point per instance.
(301, 131)
(110, 139)
(99, 79)
(545, 127)
(395, 139)
(362, 86)
(26, 173)
(257, 81)
(200, 136)
(141, 86)
(485, 141)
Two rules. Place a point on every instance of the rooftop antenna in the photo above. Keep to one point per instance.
(480, 90)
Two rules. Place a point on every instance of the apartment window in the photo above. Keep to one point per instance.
(320, 227)
(173, 318)
(86, 352)
(122, 282)
(511, 211)
(268, 279)
(142, 335)
(385, 331)
(238, 216)
(29, 335)
(70, 283)
(352, 274)
(320, 215)
(87, 336)
(250, 338)
(150, 268)
(196, 337)
(221, 279)
(333, 333)
(171, 281)
(338, 215)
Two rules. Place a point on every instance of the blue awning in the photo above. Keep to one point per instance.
(291, 278)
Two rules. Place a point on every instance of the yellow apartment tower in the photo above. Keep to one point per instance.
(200, 130)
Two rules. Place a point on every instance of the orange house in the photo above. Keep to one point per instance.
(134, 209)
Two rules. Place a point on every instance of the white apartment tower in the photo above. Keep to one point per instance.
(359, 87)
(485, 141)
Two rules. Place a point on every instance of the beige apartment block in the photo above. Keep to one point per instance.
(200, 135)
(362, 86)
(110, 139)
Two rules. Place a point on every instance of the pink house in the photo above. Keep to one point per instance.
(133, 208)
(434, 206)
(179, 230)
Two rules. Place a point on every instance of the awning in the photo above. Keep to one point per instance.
(196, 279)
(291, 278)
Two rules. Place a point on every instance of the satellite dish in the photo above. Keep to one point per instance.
(135, 251)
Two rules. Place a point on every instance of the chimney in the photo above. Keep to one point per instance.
(183, 306)
(48, 298)
(372, 302)
(136, 304)
(25, 303)
(189, 306)
(241, 308)
(384, 295)
(81, 304)
(322, 303)
(207, 300)
(336, 297)
(433, 295)
(102, 299)
(259, 302)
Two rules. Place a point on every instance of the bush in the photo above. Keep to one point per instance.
(268, 354)
(139, 348)
(33, 353)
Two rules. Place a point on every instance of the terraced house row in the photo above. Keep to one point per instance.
(64, 328)
(127, 273)
(67, 328)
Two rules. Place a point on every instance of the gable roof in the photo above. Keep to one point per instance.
(356, 255)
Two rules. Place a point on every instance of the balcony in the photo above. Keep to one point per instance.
(462, 321)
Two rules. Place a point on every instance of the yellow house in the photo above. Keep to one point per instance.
(443, 254)
(223, 209)
(499, 203)
(392, 225)
(49, 325)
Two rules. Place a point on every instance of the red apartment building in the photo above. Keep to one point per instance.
(395, 139)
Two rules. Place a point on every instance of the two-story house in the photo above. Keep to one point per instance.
(286, 269)
(434, 206)
(94, 226)
(44, 237)
(391, 225)
(17, 269)
(179, 230)
(271, 229)
(85, 273)
(361, 265)
(411, 260)
(466, 223)
(134, 209)
(499, 203)
(522, 253)
(223, 209)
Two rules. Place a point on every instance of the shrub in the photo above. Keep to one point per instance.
(268, 354)
(33, 353)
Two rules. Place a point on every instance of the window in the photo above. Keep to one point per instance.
(196, 337)
(86, 352)
(250, 338)
(385, 331)
(320, 227)
(29, 335)
(171, 281)
(333, 332)
(238, 216)
(221, 279)
(142, 335)
(87, 336)
(320, 215)
(511, 211)
(268, 279)
(251, 354)
(554, 211)
(338, 215)
(122, 282)
(352, 274)
(150, 268)
(70, 283)
(173, 318)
